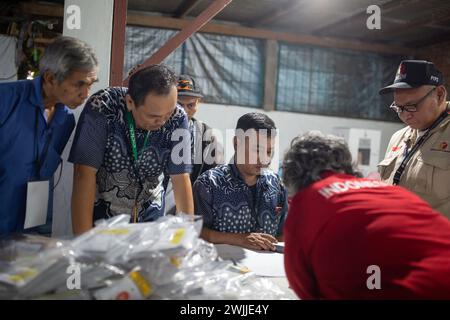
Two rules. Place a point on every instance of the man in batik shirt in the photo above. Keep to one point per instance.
(244, 203)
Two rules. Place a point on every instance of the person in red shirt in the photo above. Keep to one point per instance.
(348, 237)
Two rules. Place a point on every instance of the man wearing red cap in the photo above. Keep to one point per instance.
(418, 156)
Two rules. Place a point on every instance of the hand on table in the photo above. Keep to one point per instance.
(258, 241)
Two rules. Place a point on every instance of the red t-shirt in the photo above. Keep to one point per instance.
(340, 226)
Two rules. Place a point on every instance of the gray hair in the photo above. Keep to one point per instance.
(66, 55)
(310, 155)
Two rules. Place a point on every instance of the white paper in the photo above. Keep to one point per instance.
(262, 263)
(37, 203)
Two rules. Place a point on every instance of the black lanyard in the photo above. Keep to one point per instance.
(39, 157)
(136, 156)
(419, 143)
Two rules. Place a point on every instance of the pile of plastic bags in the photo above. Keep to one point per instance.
(165, 259)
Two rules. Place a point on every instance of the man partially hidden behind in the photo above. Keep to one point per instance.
(206, 152)
(244, 203)
(36, 122)
(126, 138)
(348, 237)
(418, 156)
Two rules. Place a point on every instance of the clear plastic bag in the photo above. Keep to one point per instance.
(33, 276)
(164, 259)
(118, 242)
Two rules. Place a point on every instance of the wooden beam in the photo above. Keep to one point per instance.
(186, 32)
(435, 18)
(277, 14)
(43, 9)
(431, 24)
(185, 7)
(270, 75)
(362, 15)
(45, 41)
(146, 20)
(423, 44)
(118, 42)
(232, 30)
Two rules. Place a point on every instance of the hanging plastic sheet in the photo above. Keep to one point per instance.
(142, 42)
(229, 70)
(334, 82)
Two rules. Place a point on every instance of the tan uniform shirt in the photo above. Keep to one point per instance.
(428, 171)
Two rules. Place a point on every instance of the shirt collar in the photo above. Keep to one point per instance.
(38, 101)
(327, 173)
(60, 113)
(446, 120)
(443, 123)
(36, 94)
(236, 174)
(234, 170)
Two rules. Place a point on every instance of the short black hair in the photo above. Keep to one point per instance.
(156, 78)
(256, 121)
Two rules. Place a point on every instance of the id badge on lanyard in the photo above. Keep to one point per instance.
(136, 155)
(37, 203)
(37, 191)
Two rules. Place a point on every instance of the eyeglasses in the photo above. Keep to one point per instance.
(410, 107)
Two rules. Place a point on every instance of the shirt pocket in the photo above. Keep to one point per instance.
(437, 167)
(272, 218)
(386, 168)
(275, 216)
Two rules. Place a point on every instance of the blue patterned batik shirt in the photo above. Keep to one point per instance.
(102, 141)
(227, 204)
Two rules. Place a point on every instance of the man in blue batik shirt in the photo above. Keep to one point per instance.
(35, 125)
(244, 203)
(126, 138)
